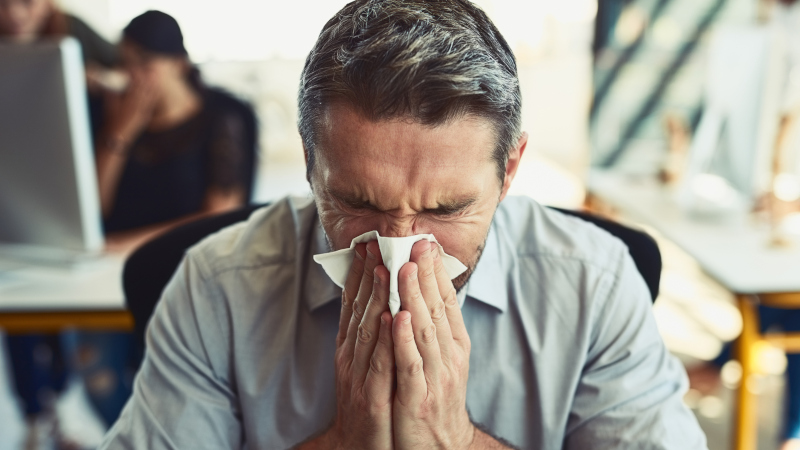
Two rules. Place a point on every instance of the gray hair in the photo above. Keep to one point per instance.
(432, 61)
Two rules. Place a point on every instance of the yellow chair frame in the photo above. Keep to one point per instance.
(746, 429)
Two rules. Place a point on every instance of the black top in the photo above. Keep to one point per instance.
(168, 173)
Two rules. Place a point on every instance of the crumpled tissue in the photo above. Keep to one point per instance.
(395, 251)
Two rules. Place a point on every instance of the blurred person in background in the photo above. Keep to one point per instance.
(785, 21)
(171, 149)
(29, 20)
(168, 149)
(39, 369)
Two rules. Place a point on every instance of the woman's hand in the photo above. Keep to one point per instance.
(130, 112)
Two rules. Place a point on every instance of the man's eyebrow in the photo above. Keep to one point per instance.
(443, 208)
(351, 200)
(452, 206)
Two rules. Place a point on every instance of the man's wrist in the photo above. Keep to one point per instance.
(482, 440)
(329, 439)
(471, 434)
(321, 441)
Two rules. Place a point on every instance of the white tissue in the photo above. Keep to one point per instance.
(395, 251)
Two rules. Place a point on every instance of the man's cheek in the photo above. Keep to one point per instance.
(457, 240)
(343, 228)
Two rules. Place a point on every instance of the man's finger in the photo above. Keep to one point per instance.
(380, 377)
(350, 290)
(412, 388)
(368, 329)
(452, 308)
(362, 297)
(422, 326)
(422, 253)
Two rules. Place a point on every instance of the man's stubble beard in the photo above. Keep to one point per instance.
(461, 281)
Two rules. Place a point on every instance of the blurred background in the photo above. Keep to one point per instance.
(674, 116)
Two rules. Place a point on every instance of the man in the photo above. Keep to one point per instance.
(410, 119)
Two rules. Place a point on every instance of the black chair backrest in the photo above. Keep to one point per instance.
(642, 247)
(148, 270)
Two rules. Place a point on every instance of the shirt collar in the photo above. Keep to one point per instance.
(319, 289)
(488, 283)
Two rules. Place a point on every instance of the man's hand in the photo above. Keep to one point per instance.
(364, 360)
(432, 355)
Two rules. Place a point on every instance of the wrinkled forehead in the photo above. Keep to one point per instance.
(347, 136)
(393, 163)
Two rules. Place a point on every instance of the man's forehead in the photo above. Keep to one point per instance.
(403, 141)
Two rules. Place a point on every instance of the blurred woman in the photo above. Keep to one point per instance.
(28, 20)
(168, 150)
(39, 370)
(171, 150)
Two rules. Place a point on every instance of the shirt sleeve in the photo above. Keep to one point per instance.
(95, 49)
(630, 394)
(183, 396)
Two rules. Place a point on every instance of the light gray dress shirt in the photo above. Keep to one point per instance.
(565, 350)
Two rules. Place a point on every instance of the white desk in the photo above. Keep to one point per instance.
(736, 253)
(88, 295)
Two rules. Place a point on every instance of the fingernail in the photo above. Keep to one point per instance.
(358, 255)
(370, 255)
(383, 321)
(427, 250)
(413, 275)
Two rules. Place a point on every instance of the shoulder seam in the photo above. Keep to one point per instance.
(225, 270)
(205, 274)
(614, 271)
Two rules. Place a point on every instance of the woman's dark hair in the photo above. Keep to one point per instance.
(156, 32)
(159, 33)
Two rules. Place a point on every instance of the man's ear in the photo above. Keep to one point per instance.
(514, 157)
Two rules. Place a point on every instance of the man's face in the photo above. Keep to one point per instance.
(403, 178)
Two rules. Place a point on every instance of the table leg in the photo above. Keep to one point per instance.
(746, 423)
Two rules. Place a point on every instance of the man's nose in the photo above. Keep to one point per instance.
(398, 226)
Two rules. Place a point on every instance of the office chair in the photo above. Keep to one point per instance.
(149, 268)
